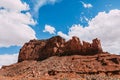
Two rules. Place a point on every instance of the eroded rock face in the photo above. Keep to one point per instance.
(86, 59)
(52, 47)
(105, 64)
(97, 45)
(42, 49)
(30, 50)
(73, 45)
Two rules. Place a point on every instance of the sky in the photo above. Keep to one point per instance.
(23, 20)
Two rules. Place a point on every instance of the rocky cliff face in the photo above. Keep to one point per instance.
(57, 46)
(57, 59)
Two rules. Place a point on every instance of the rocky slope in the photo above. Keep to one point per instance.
(57, 59)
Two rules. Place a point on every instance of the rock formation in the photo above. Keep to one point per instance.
(57, 59)
(100, 66)
(42, 49)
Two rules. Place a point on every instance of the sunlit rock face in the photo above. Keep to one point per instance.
(57, 46)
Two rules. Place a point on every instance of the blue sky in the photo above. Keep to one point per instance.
(41, 19)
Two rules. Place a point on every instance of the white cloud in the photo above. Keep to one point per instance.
(7, 59)
(49, 29)
(86, 5)
(40, 3)
(14, 25)
(105, 26)
(14, 5)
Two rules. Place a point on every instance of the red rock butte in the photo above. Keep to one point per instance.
(57, 59)
(57, 46)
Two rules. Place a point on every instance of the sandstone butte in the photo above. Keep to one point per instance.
(57, 59)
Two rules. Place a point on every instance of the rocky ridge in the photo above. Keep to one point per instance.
(42, 49)
(57, 59)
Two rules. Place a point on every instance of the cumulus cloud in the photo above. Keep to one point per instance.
(49, 29)
(7, 59)
(105, 26)
(86, 5)
(14, 25)
(11, 5)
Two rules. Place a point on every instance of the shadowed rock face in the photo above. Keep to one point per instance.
(42, 49)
